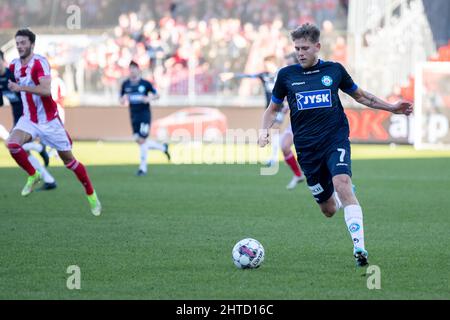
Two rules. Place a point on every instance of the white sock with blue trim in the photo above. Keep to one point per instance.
(354, 219)
(144, 155)
(155, 145)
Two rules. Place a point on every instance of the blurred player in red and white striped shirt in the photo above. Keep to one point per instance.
(40, 117)
(58, 89)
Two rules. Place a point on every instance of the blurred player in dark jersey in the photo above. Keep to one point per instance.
(138, 93)
(267, 78)
(321, 129)
(17, 111)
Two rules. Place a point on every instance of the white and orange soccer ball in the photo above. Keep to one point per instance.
(248, 254)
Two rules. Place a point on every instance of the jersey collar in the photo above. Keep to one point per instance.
(314, 66)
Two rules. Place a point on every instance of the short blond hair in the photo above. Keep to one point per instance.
(306, 31)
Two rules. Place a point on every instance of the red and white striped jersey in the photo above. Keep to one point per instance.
(35, 108)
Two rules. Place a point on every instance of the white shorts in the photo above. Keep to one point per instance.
(51, 133)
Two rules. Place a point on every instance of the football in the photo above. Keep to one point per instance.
(248, 253)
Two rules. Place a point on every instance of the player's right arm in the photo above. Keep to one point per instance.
(152, 94)
(123, 99)
(268, 120)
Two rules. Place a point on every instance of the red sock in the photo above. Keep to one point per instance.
(21, 158)
(292, 163)
(82, 175)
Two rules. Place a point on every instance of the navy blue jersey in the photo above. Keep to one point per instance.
(312, 94)
(13, 97)
(136, 92)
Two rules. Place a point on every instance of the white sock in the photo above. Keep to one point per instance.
(4, 134)
(155, 145)
(144, 155)
(33, 146)
(46, 176)
(53, 153)
(338, 201)
(354, 220)
(275, 146)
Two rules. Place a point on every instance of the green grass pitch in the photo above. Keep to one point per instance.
(169, 235)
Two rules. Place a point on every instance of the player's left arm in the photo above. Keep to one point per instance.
(153, 93)
(372, 101)
(348, 86)
(42, 89)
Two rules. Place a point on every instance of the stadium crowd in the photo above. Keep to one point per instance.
(174, 41)
(104, 13)
(211, 40)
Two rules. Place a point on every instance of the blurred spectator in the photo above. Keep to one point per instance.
(339, 51)
(59, 92)
(179, 47)
(6, 16)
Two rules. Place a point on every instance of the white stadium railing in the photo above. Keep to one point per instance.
(387, 39)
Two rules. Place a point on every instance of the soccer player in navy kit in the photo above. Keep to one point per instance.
(321, 128)
(135, 91)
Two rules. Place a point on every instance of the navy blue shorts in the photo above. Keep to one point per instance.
(321, 165)
(140, 122)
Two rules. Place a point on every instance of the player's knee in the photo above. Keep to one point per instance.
(342, 183)
(13, 146)
(286, 148)
(328, 213)
(328, 210)
(66, 157)
(286, 151)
